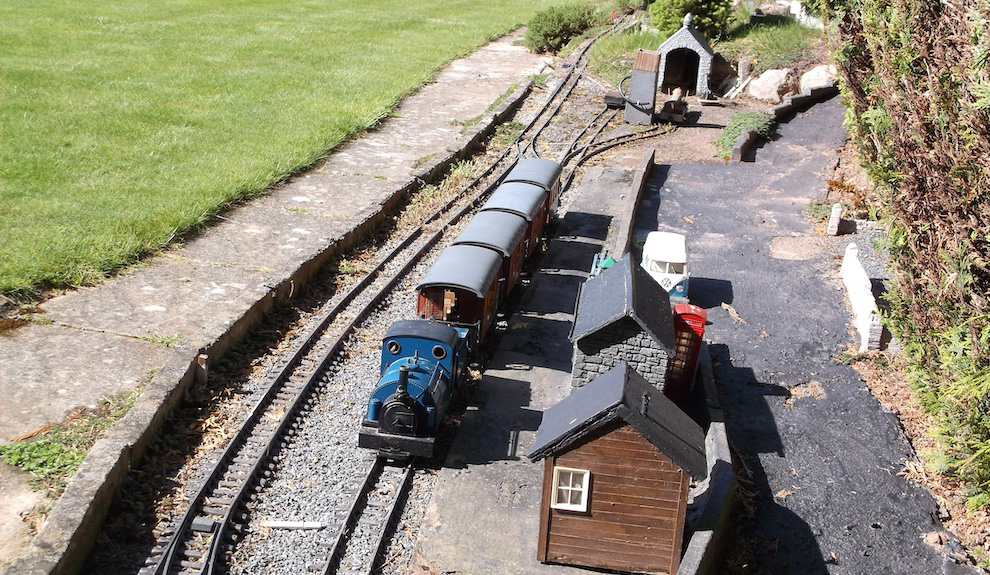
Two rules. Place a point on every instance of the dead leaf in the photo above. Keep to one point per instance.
(784, 494)
(732, 313)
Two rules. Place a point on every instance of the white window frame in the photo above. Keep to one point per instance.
(583, 489)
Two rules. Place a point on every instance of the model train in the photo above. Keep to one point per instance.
(423, 359)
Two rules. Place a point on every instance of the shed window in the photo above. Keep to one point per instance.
(570, 489)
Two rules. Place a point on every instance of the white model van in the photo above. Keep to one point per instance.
(665, 258)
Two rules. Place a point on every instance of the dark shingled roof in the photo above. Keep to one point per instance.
(622, 393)
(622, 290)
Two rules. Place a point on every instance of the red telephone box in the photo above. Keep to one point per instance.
(689, 328)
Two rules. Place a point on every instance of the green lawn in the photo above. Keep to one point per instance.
(124, 123)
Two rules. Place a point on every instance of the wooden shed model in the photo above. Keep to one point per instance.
(619, 459)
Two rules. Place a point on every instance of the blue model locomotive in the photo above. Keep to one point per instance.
(422, 363)
(424, 359)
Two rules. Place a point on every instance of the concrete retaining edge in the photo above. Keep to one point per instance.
(622, 239)
(68, 534)
(706, 547)
(749, 138)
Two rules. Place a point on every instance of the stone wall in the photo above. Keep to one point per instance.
(625, 341)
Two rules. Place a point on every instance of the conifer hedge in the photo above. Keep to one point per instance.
(916, 77)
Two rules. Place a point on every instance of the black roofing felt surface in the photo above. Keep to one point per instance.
(517, 197)
(543, 173)
(467, 267)
(624, 289)
(498, 230)
(619, 394)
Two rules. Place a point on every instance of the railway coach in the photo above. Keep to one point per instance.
(504, 233)
(527, 201)
(542, 173)
(461, 289)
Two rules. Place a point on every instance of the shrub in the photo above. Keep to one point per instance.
(759, 122)
(710, 17)
(550, 29)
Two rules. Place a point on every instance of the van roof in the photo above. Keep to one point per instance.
(665, 247)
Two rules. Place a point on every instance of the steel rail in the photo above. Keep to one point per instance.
(347, 530)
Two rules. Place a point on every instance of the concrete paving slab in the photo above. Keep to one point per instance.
(68, 368)
(14, 507)
(168, 298)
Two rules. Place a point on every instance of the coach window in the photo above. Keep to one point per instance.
(570, 489)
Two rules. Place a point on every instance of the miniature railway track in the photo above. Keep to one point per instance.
(199, 541)
(363, 536)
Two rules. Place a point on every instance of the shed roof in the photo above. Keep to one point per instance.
(543, 173)
(466, 267)
(493, 229)
(517, 198)
(622, 393)
(624, 290)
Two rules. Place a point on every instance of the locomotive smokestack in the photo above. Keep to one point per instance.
(403, 384)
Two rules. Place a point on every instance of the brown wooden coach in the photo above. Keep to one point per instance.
(619, 459)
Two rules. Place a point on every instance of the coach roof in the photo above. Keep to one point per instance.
(501, 231)
(543, 173)
(465, 267)
(517, 198)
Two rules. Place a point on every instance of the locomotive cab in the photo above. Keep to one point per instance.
(421, 366)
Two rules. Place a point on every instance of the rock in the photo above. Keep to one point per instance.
(773, 85)
(823, 75)
(774, 9)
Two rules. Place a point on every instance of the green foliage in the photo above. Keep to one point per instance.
(710, 17)
(126, 124)
(551, 29)
(50, 461)
(916, 82)
(772, 45)
(506, 134)
(818, 209)
(759, 122)
(53, 457)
